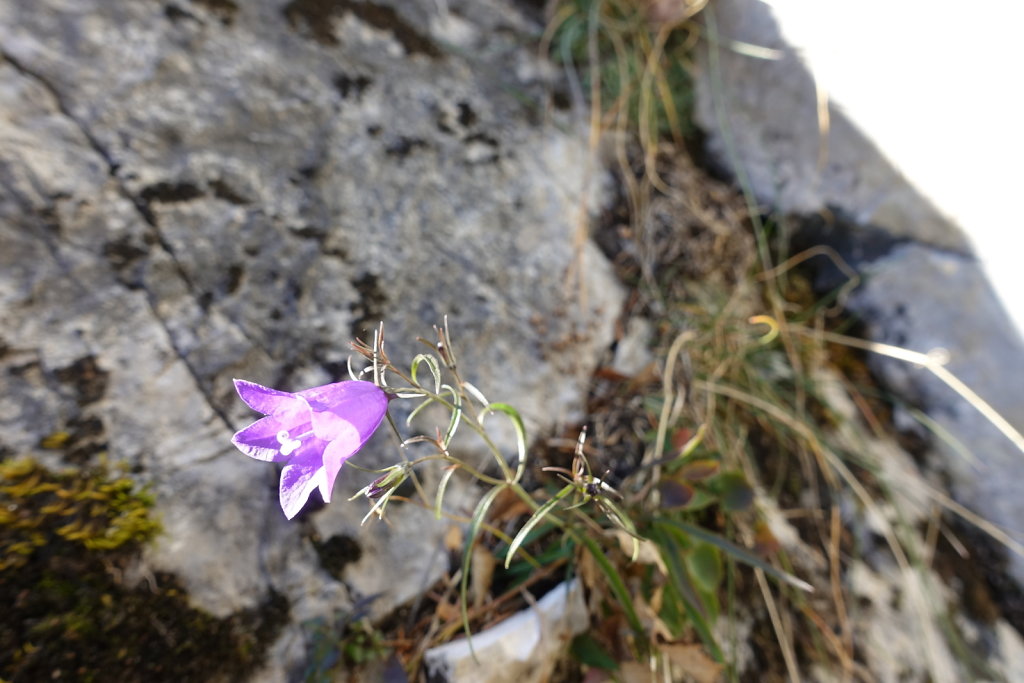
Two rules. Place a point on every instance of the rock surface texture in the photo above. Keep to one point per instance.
(798, 118)
(195, 190)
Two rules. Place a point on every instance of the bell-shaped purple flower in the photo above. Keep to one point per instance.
(313, 432)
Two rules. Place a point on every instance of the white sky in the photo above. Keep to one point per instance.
(939, 86)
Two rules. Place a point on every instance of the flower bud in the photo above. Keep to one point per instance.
(391, 480)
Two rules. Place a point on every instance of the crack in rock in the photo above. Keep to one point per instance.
(144, 211)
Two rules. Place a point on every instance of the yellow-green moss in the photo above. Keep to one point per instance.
(65, 540)
(86, 508)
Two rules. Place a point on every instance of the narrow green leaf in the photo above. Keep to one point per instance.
(705, 565)
(672, 551)
(622, 520)
(435, 370)
(617, 585)
(517, 423)
(476, 393)
(737, 552)
(588, 651)
(537, 517)
(702, 498)
(442, 486)
(416, 411)
(690, 446)
(453, 423)
(520, 571)
(467, 556)
(682, 590)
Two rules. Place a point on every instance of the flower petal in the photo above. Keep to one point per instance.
(259, 440)
(263, 399)
(335, 455)
(343, 406)
(298, 479)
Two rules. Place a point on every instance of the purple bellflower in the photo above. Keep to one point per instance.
(313, 432)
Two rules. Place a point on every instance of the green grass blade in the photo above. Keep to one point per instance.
(739, 553)
(442, 486)
(453, 424)
(537, 518)
(517, 423)
(416, 411)
(435, 370)
(622, 520)
(617, 585)
(682, 590)
(467, 556)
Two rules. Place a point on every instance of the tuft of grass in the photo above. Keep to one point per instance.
(764, 415)
(631, 61)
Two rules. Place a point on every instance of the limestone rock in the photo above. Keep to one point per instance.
(899, 301)
(195, 191)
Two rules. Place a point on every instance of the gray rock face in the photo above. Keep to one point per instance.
(762, 113)
(199, 190)
(765, 125)
(899, 300)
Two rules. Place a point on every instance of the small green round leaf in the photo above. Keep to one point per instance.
(704, 563)
(674, 494)
(699, 470)
(735, 491)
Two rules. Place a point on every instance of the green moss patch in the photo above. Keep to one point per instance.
(65, 539)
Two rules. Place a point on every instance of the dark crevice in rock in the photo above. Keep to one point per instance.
(857, 244)
(62, 107)
(169, 193)
(225, 10)
(369, 309)
(143, 209)
(351, 85)
(483, 138)
(404, 146)
(560, 100)
(83, 438)
(460, 120)
(467, 117)
(86, 378)
(177, 14)
(336, 553)
(234, 278)
(123, 253)
(987, 589)
(316, 233)
(222, 190)
(318, 17)
(479, 155)
(308, 172)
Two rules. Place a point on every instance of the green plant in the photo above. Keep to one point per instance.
(633, 60)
